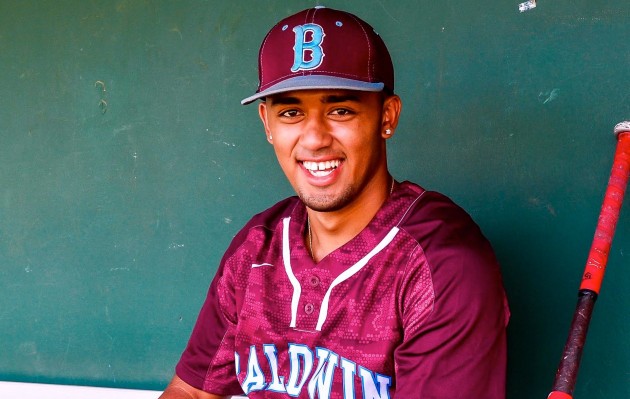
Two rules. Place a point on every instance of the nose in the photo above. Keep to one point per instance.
(316, 133)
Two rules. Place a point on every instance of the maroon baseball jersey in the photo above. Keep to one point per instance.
(412, 307)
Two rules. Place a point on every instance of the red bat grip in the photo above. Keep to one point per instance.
(566, 375)
(609, 214)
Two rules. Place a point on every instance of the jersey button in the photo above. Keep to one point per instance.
(308, 308)
(314, 280)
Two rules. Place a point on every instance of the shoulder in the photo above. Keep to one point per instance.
(435, 221)
(463, 270)
(264, 223)
(273, 215)
(432, 210)
(452, 243)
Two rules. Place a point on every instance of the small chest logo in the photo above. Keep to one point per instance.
(308, 51)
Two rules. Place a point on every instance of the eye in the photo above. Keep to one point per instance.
(289, 113)
(341, 112)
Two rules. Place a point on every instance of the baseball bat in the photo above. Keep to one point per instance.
(566, 376)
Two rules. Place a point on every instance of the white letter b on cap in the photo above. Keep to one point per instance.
(313, 47)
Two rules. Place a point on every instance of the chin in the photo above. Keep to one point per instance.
(327, 203)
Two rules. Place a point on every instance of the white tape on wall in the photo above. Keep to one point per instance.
(22, 390)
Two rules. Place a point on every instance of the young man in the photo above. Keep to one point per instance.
(361, 286)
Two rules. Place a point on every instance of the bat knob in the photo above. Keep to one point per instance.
(622, 127)
(559, 395)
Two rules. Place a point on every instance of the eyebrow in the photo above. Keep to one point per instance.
(327, 99)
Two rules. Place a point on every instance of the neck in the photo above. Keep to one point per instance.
(327, 231)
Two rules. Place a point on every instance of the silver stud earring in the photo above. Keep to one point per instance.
(269, 137)
(388, 131)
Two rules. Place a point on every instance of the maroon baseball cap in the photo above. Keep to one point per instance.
(322, 48)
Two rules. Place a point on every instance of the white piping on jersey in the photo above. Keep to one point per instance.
(297, 289)
(286, 255)
(323, 313)
(255, 265)
(409, 207)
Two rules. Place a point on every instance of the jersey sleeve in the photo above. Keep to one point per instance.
(454, 342)
(207, 363)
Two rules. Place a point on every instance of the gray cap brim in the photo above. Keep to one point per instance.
(311, 82)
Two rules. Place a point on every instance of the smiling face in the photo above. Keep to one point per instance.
(331, 144)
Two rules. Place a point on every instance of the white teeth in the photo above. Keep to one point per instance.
(315, 167)
(321, 173)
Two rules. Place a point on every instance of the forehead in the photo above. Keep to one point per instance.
(324, 96)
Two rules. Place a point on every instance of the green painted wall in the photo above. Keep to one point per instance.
(127, 164)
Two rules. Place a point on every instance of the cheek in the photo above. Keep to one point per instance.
(367, 143)
(285, 139)
(284, 154)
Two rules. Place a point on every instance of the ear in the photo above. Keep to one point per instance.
(391, 112)
(262, 113)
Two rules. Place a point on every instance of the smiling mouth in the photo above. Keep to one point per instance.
(321, 169)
